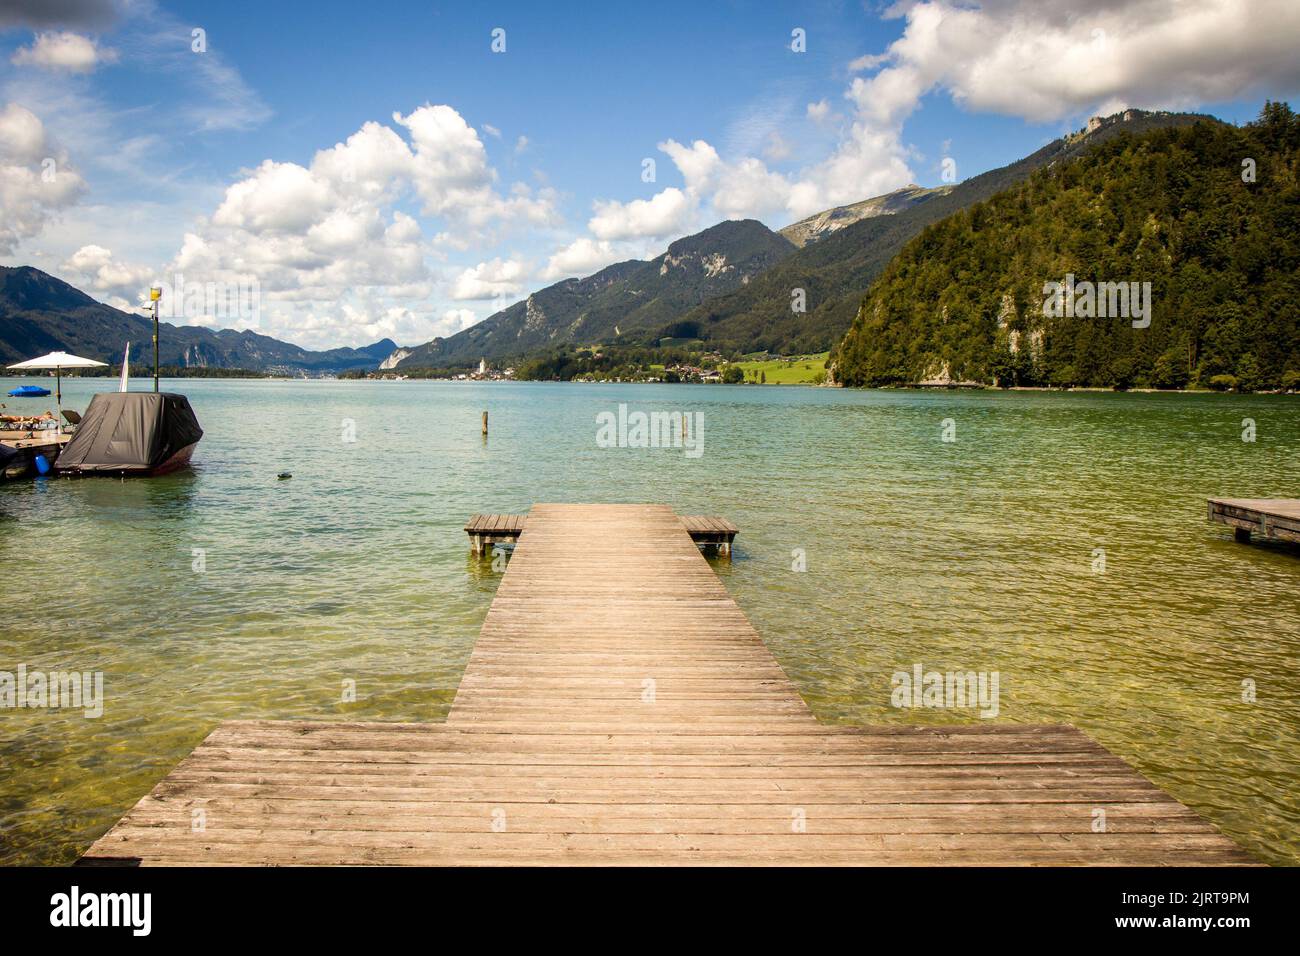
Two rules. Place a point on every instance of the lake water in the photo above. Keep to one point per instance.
(976, 554)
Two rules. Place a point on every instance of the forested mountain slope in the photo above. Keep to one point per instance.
(836, 271)
(1208, 215)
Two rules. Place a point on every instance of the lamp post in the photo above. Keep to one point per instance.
(155, 293)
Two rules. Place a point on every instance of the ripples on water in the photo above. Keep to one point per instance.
(974, 555)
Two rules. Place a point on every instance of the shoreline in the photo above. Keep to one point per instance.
(915, 387)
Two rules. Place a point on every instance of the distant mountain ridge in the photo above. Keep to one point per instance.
(819, 225)
(833, 256)
(40, 313)
(632, 301)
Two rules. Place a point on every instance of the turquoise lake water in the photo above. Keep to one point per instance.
(977, 554)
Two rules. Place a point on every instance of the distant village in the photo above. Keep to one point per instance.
(482, 374)
(711, 368)
(688, 374)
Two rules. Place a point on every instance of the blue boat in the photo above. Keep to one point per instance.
(28, 391)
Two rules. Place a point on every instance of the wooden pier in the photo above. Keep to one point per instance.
(1273, 519)
(618, 708)
(487, 530)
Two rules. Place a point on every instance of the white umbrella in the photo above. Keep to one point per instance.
(58, 361)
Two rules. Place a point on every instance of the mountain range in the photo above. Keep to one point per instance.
(633, 298)
(836, 271)
(833, 256)
(39, 314)
(729, 288)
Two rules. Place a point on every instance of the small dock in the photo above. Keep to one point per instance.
(618, 708)
(1273, 519)
(487, 530)
(23, 448)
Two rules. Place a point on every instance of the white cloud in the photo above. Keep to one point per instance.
(698, 163)
(372, 164)
(582, 257)
(278, 197)
(869, 161)
(663, 214)
(734, 190)
(1042, 60)
(453, 320)
(36, 179)
(333, 251)
(63, 51)
(491, 130)
(119, 283)
(496, 278)
(451, 174)
(1049, 59)
(749, 188)
(621, 230)
(820, 111)
(777, 148)
(867, 62)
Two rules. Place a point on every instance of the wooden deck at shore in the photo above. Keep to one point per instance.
(28, 445)
(1273, 519)
(618, 708)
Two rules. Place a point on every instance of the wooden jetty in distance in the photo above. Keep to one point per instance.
(487, 530)
(1276, 519)
(619, 709)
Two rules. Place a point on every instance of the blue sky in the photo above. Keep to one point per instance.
(464, 178)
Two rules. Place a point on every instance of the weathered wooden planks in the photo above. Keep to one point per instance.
(485, 530)
(708, 529)
(1277, 519)
(618, 708)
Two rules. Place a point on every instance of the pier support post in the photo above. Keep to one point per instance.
(485, 423)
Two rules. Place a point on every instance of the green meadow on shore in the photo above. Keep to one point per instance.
(805, 370)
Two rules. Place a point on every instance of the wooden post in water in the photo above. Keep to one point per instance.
(485, 423)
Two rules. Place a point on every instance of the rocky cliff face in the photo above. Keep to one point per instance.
(822, 224)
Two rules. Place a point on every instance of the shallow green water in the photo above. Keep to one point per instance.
(971, 555)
